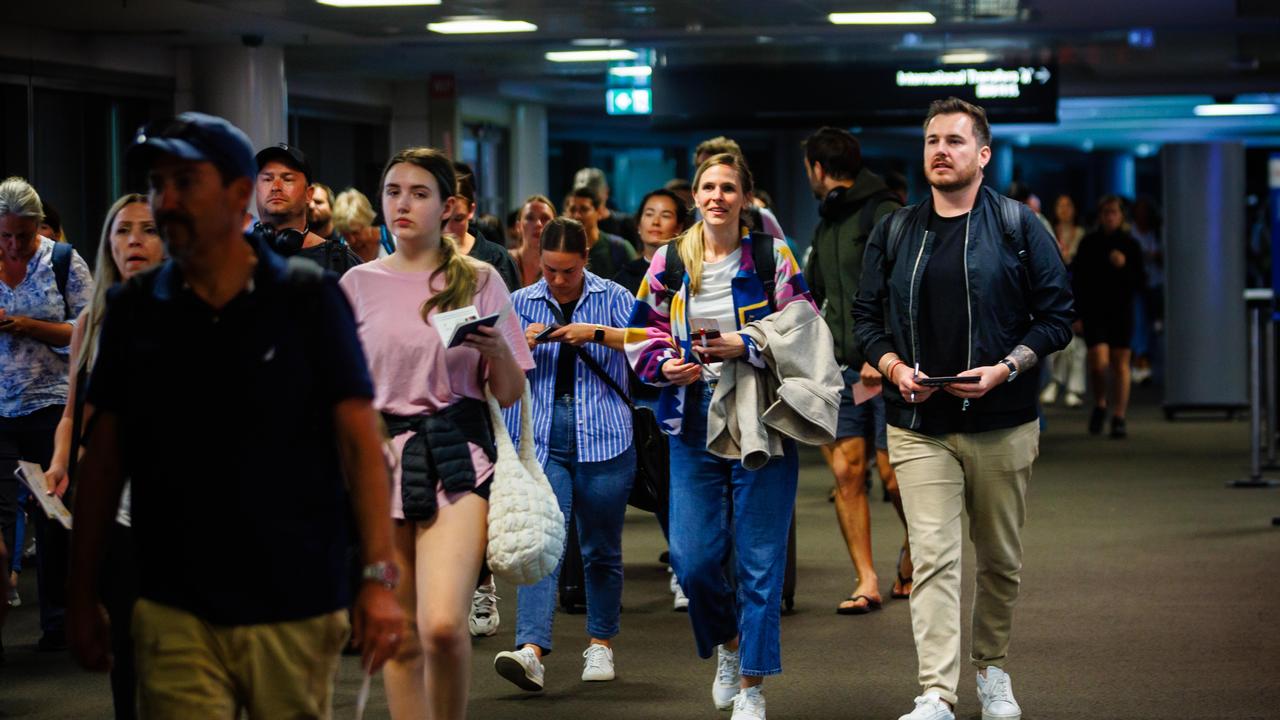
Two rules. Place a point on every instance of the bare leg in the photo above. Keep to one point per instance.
(905, 567)
(448, 552)
(1120, 381)
(847, 458)
(1099, 356)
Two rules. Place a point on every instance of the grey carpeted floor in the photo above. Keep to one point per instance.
(1149, 591)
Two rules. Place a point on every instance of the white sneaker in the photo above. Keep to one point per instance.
(521, 667)
(680, 603)
(728, 676)
(1050, 394)
(671, 582)
(749, 704)
(484, 611)
(996, 693)
(1073, 400)
(599, 663)
(930, 707)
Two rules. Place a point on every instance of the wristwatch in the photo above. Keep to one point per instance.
(386, 574)
(599, 336)
(1013, 369)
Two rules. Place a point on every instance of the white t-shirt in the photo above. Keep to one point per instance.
(715, 298)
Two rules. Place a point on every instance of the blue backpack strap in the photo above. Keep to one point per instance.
(387, 243)
(62, 253)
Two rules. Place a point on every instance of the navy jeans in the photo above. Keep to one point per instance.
(596, 493)
(715, 501)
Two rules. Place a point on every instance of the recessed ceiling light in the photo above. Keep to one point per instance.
(966, 57)
(376, 3)
(590, 55)
(1230, 109)
(882, 18)
(477, 27)
(632, 71)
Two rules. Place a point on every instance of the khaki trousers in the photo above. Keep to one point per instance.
(189, 669)
(985, 474)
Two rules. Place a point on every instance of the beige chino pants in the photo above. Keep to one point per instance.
(986, 475)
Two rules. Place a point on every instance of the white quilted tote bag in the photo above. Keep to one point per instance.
(526, 527)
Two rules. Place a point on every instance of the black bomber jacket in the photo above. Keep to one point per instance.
(1011, 303)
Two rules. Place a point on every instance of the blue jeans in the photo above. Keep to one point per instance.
(596, 493)
(715, 501)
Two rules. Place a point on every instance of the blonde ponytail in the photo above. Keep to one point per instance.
(460, 280)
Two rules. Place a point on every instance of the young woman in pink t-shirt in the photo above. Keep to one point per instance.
(440, 527)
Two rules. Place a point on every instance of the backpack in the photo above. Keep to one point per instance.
(1010, 230)
(761, 254)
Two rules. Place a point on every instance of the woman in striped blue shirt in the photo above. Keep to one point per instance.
(582, 431)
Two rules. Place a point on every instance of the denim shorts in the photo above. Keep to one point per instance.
(865, 420)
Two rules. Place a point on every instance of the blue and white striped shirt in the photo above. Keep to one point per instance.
(604, 420)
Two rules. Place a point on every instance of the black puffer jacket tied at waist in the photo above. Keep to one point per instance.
(1010, 302)
(437, 454)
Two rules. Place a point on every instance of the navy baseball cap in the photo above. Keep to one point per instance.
(287, 154)
(196, 136)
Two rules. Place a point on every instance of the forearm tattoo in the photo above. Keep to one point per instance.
(1023, 357)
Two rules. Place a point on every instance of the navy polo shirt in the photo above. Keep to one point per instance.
(226, 422)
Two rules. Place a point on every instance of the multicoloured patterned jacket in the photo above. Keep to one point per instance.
(659, 329)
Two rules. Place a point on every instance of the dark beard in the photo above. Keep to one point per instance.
(958, 184)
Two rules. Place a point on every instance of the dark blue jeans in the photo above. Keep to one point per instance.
(596, 493)
(714, 502)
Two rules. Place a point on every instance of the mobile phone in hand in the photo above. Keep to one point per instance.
(948, 380)
(545, 335)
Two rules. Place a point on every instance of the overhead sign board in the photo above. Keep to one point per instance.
(867, 95)
(629, 101)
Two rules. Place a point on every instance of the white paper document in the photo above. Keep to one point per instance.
(33, 477)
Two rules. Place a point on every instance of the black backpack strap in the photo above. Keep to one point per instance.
(1011, 231)
(62, 253)
(766, 265)
(867, 218)
(897, 223)
(673, 273)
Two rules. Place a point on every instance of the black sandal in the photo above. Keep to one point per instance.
(858, 609)
(902, 581)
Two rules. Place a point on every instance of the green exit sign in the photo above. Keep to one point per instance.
(629, 101)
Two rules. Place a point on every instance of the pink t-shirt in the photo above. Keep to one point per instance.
(413, 373)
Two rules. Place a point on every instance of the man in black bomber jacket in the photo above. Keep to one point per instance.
(944, 292)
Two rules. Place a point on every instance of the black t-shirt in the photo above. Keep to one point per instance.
(567, 361)
(226, 429)
(331, 255)
(944, 320)
(622, 225)
(631, 275)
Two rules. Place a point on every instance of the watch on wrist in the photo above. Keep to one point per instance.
(599, 335)
(1013, 369)
(386, 574)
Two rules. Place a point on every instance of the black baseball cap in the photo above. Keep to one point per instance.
(287, 154)
(195, 136)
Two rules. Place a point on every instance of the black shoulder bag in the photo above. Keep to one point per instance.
(652, 482)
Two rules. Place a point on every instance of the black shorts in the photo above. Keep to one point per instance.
(1115, 328)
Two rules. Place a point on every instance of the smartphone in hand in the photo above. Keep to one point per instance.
(545, 335)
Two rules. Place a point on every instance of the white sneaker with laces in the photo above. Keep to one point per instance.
(996, 693)
(749, 704)
(930, 707)
(728, 676)
(680, 602)
(484, 611)
(521, 667)
(598, 666)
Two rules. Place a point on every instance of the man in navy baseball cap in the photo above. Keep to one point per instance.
(230, 327)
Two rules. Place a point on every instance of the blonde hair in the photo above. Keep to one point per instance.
(690, 244)
(460, 275)
(351, 211)
(105, 277)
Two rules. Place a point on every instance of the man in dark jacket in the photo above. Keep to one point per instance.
(852, 200)
(966, 283)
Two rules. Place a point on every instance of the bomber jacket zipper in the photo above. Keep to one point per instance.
(911, 313)
(968, 301)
